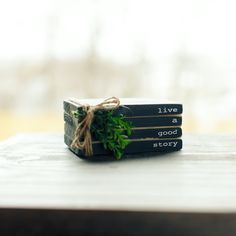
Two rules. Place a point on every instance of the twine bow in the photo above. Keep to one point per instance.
(83, 132)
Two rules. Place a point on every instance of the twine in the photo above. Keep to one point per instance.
(83, 132)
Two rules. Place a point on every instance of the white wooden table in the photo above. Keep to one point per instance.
(46, 189)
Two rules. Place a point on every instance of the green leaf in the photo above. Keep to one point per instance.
(110, 129)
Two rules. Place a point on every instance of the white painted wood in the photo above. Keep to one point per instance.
(38, 171)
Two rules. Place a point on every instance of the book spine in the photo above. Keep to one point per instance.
(154, 121)
(147, 146)
(137, 133)
(137, 110)
(150, 110)
(157, 133)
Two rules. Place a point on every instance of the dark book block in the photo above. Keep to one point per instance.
(144, 146)
(151, 121)
(131, 106)
(137, 133)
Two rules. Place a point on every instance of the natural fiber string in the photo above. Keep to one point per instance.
(83, 132)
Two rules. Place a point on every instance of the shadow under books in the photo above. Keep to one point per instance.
(127, 157)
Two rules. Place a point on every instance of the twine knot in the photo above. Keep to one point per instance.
(82, 137)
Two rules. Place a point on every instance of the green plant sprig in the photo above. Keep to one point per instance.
(112, 130)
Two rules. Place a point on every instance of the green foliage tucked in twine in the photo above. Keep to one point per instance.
(112, 130)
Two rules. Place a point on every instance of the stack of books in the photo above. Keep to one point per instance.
(156, 127)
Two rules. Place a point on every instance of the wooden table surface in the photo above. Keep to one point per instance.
(44, 188)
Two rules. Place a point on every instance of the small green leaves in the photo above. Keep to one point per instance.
(110, 129)
(79, 114)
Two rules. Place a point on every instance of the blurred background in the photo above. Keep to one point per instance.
(182, 50)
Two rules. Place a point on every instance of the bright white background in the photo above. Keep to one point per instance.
(182, 50)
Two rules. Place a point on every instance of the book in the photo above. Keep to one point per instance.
(141, 146)
(130, 106)
(141, 121)
(137, 133)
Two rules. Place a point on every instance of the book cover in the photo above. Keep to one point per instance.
(143, 146)
(150, 121)
(137, 133)
(131, 106)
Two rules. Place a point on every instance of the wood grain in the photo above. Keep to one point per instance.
(37, 171)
